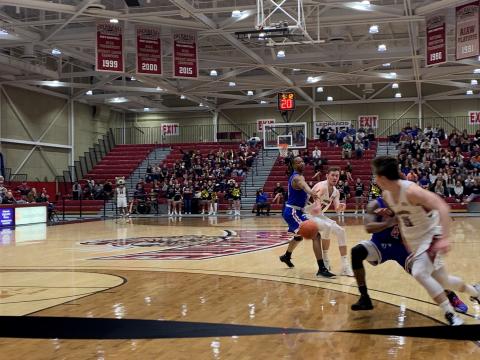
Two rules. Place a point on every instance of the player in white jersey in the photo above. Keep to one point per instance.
(327, 194)
(424, 222)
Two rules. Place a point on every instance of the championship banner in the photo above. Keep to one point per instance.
(467, 22)
(149, 51)
(185, 55)
(436, 47)
(109, 48)
(171, 129)
(318, 125)
(262, 122)
(367, 121)
(474, 117)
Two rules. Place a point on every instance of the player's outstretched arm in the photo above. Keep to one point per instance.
(371, 223)
(300, 183)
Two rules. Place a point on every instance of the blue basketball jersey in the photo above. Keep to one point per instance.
(390, 235)
(296, 197)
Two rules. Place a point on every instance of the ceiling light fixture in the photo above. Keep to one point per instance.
(386, 65)
(249, 92)
(54, 83)
(113, 21)
(263, 102)
(89, 92)
(319, 89)
(56, 52)
(183, 97)
(281, 53)
(473, 82)
(382, 48)
(236, 13)
(398, 95)
(146, 109)
(232, 84)
(365, 2)
(213, 73)
(158, 88)
(469, 92)
(391, 75)
(329, 98)
(3, 32)
(476, 71)
(118, 100)
(373, 29)
(395, 86)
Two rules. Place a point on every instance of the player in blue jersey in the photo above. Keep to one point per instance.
(385, 244)
(293, 213)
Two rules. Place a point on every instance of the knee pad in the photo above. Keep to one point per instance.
(358, 254)
(340, 234)
(297, 238)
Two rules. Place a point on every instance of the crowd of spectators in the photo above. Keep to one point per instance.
(451, 170)
(22, 194)
(195, 183)
(92, 190)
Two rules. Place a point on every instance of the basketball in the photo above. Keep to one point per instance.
(308, 229)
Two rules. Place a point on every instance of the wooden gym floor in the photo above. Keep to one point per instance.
(211, 288)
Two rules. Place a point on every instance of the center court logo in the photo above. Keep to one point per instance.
(194, 247)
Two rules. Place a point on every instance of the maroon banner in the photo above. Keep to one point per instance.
(467, 22)
(149, 51)
(436, 40)
(109, 48)
(185, 55)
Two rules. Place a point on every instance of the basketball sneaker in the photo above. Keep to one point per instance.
(324, 273)
(347, 271)
(453, 319)
(457, 304)
(326, 262)
(363, 303)
(476, 298)
(286, 260)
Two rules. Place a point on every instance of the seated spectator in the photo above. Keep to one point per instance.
(108, 189)
(98, 193)
(140, 193)
(278, 194)
(32, 196)
(23, 189)
(458, 191)
(261, 202)
(475, 161)
(359, 149)
(439, 188)
(42, 197)
(412, 176)
(347, 150)
(475, 191)
(370, 134)
(9, 199)
(424, 182)
(76, 190)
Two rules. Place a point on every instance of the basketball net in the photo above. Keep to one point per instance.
(283, 150)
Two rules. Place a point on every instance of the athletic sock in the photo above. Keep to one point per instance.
(325, 254)
(446, 307)
(345, 260)
(321, 265)
(363, 290)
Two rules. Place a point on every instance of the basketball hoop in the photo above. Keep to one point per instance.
(283, 150)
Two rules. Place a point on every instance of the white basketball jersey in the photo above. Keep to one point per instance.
(121, 192)
(325, 199)
(417, 225)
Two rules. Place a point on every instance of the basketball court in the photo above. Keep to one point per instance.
(191, 279)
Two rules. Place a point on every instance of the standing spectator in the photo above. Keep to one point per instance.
(316, 154)
(177, 200)
(359, 191)
(278, 194)
(261, 202)
(170, 194)
(236, 194)
(347, 150)
(344, 191)
(359, 149)
(187, 198)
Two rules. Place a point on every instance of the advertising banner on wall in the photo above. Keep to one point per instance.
(185, 54)
(467, 23)
(436, 47)
(171, 129)
(149, 51)
(474, 117)
(318, 125)
(109, 48)
(262, 122)
(367, 121)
